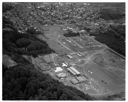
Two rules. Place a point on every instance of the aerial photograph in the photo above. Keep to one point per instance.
(63, 51)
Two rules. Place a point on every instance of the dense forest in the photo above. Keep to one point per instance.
(114, 36)
(23, 82)
(23, 43)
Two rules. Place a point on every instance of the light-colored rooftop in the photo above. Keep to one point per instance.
(64, 65)
(73, 69)
(58, 69)
(69, 56)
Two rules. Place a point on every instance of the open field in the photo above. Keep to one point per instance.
(108, 79)
(104, 69)
(56, 46)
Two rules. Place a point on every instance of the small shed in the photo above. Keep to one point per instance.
(61, 75)
(81, 78)
(64, 64)
(74, 81)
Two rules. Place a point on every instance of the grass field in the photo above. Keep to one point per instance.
(57, 47)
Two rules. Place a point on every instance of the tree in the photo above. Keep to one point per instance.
(24, 82)
(23, 42)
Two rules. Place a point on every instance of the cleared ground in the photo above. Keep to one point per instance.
(105, 69)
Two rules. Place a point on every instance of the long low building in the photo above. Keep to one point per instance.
(81, 78)
(74, 70)
(71, 71)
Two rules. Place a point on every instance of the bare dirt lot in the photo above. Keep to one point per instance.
(104, 68)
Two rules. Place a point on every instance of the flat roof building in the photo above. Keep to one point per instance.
(58, 69)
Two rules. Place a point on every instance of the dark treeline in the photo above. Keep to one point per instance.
(114, 38)
(110, 14)
(112, 11)
(22, 43)
(23, 82)
(71, 34)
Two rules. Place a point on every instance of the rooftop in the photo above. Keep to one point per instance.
(58, 69)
